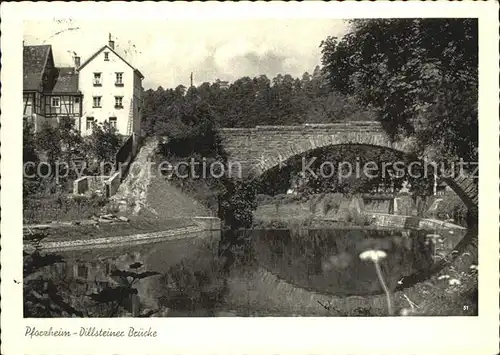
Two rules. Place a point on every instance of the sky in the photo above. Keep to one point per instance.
(167, 51)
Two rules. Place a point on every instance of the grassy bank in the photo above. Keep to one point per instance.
(332, 210)
(43, 208)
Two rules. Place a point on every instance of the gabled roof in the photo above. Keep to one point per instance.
(34, 62)
(65, 81)
(112, 50)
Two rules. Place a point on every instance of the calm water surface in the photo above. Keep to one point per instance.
(236, 273)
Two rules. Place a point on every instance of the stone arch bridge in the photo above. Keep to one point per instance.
(265, 147)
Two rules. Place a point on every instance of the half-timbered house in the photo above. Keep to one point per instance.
(49, 93)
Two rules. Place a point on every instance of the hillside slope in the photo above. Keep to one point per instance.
(145, 192)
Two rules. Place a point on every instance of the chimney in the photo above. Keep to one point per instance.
(111, 43)
(77, 62)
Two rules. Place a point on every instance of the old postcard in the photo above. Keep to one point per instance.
(250, 178)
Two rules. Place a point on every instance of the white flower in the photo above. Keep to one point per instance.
(373, 255)
(443, 277)
(454, 282)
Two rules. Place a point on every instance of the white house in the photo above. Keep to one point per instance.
(112, 91)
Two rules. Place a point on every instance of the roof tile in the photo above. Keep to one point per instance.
(34, 60)
(66, 81)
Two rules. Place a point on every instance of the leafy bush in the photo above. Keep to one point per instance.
(332, 202)
(237, 203)
(451, 207)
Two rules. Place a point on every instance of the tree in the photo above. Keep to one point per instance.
(48, 142)
(237, 201)
(103, 143)
(420, 75)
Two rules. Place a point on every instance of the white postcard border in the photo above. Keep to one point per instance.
(436, 335)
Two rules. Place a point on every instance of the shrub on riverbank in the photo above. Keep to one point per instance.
(451, 207)
(46, 187)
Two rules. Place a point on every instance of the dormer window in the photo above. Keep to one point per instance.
(106, 55)
(97, 79)
(119, 79)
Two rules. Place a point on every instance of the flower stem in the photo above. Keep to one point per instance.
(384, 286)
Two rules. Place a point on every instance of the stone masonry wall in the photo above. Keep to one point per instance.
(264, 146)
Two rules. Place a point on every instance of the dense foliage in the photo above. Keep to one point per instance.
(420, 75)
(348, 170)
(248, 102)
(50, 155)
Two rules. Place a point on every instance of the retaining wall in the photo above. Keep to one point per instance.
(399, 221)
(108, 185)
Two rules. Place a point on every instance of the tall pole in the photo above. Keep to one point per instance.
(191, 79)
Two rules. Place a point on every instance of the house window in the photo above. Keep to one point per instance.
(82, 271)
(118, 101)
(107, 268)
(55, 102)
(97, 79)
(97, 101)
(119, 79)
(106, 55)
(90, 122)
(77, 100)
(112, 122)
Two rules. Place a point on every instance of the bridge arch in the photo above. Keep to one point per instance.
(464, 186)
(263, 148)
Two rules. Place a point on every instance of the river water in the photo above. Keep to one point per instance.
(253, 272)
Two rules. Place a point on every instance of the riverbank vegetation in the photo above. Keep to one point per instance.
(53, 157)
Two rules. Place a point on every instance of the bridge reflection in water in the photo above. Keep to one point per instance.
(253, 272)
